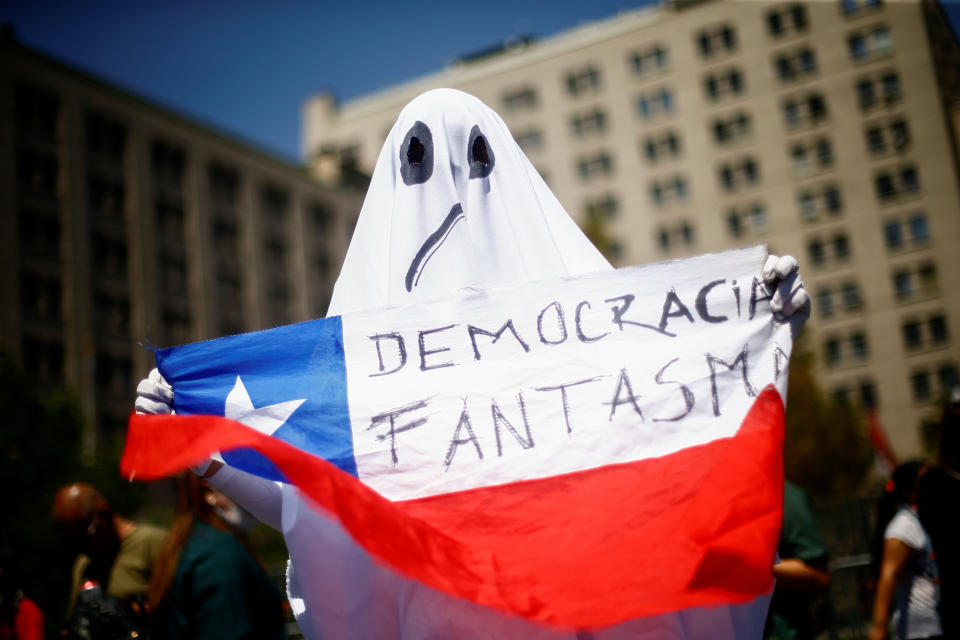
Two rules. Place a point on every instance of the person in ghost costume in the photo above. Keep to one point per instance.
(453, 203)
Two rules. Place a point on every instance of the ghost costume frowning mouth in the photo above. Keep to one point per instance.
(454, 203)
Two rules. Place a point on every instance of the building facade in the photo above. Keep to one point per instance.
(823, 129)
(126, 226)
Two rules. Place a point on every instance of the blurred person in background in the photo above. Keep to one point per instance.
(801, 574)
(903, 562)
(114, 559)
(207, 582)
(20, 617)
(938, 504)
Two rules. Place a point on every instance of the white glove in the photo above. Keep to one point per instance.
(155, 395)
(789, 297)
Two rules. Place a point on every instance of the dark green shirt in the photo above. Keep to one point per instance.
(791, 617)
(219, 592)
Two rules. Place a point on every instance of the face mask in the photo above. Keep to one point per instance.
(237, 517)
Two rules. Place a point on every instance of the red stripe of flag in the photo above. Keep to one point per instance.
(694, 528)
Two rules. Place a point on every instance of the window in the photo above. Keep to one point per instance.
(795, 65)
(907, 231)
(716, 40)
(850, 294)
(892, 184)
(751, 219)
(937, 327)
(37, 174)
(681, 235)
(664, 145)
(739, 173)
(912, 336)
(870, 44)
(168, 163)
(805, 110)
(43, 359)
(915, 282)
(815, 200)
(786, 20)
(668, 190)
(836, 248)
(947, 375)
(530, 140)
(111, 314)
(878, 89)
(854, 7)
(724, 84)
(604, 207)
(731, 128)
(37, 112)
(920, 383)
(589, 123)
(597, 164)
(852, 348)
(320, 216)
(224, 184)
(105, 139)
(586, 80)
(824, 300)
(105, 196)
(650, 60)
(521, 99)
(811, 155)
(655, 103)
(868, 394)
(40, 297)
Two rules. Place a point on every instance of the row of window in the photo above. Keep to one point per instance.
(844, 297)
(846, 349)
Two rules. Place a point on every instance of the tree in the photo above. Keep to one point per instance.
(827, 449)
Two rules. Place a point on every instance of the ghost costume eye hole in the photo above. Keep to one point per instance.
(479, 154)
(416, 155)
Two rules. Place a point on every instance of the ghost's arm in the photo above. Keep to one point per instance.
(261, 497)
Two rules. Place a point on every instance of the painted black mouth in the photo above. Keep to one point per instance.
(431, 244)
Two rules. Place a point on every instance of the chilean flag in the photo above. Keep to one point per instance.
(584, 456)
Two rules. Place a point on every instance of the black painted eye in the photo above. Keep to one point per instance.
(416, 155)
(479, 154)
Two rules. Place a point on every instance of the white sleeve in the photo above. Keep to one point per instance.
(261, 497)
(906, 528)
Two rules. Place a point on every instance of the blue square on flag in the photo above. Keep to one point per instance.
(288, 382)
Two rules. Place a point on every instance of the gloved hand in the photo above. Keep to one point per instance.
(789, 297)
(155, 395)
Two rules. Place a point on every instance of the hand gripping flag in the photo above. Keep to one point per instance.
(572, 454)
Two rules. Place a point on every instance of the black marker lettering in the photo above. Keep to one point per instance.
(576, 322)
(736, 294)
(562, 388)
(620, 311)
(474, 331)
(400, 347)
(781, 360)
(623, 382)
(424, 352)
(687, 393)
(671, 300)
(498, 418)
(713, 361)
(560, 322)
(755, 299)
(391, 417)
(463, 423)
(701, 303)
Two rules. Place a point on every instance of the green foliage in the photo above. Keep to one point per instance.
(827, 449)
(41, 446)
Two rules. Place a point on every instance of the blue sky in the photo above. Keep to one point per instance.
(247, 67)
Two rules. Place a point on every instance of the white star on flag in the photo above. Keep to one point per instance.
(267, 419)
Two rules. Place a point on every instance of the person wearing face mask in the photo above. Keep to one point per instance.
(207, 582)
